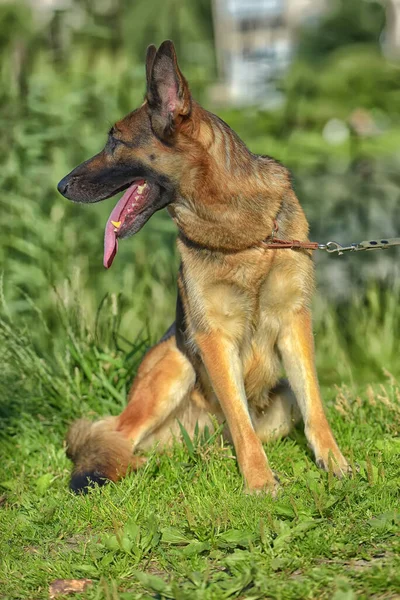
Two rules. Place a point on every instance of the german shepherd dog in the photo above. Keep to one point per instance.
(242, 309)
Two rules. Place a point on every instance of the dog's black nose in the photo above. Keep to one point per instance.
(63, 186)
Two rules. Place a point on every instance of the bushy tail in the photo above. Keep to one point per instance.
(99, 453)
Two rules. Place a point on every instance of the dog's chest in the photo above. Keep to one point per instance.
(247, 302)
(250, 297)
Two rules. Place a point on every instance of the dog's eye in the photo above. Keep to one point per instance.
(112, 143)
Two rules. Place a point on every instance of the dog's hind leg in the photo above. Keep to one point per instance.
(280, 415)
(164, 380)
(104, 449)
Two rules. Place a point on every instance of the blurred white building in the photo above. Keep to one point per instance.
(391, 42)
(255, 40)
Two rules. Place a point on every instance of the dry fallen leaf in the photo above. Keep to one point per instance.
(67, 586)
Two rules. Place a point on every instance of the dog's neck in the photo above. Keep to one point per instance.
(233, 196)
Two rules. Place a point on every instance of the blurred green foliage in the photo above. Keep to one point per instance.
(350, 78)
(67, 75)
(344, 24)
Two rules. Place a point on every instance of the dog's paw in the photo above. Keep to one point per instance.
(338, 465)
(81, 482)
(269, 486)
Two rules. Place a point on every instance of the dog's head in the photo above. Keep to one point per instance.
(143, 154)
(171, 152)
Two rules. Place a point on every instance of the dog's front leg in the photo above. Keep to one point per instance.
(296, 345)
(223, 366)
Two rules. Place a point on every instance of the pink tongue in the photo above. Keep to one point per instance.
(110, 235)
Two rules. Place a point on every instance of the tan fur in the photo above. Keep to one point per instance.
(243, 307)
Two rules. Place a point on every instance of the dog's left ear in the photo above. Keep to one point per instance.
(168, 94)
(150, 56)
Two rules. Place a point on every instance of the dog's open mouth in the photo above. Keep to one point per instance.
(121, 221)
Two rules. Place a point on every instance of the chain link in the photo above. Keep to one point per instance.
(380, 244)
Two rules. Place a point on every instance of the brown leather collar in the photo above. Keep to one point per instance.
(270, 243)
(274, 242)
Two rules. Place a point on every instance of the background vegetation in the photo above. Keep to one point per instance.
(71, 334)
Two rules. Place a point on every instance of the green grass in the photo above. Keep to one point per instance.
(182, 527)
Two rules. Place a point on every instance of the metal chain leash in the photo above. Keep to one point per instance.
(333, 247)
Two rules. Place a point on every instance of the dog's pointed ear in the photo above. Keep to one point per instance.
(168, 94)
(150, 56)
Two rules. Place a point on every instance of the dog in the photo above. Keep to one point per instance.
(243, 308)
